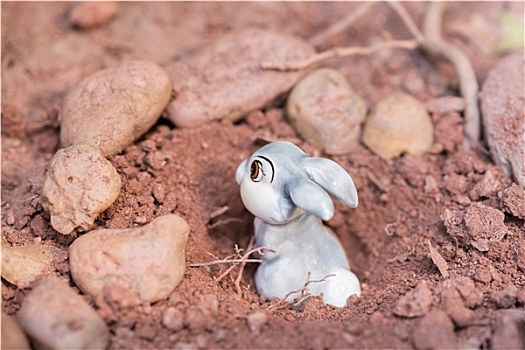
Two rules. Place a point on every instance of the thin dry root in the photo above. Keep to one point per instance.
(305, 292)
(237, 259)
(338, 52)
(432, 41)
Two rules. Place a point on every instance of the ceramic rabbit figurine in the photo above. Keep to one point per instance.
(288, 192)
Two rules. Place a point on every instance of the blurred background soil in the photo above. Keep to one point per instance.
(402, 202)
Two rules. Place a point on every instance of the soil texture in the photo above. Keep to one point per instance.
(437, 241)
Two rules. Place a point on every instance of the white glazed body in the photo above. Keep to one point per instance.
(305, 250)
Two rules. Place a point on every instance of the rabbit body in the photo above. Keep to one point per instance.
(287, 191)
(305, 250)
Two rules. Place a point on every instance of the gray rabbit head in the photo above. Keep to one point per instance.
(279, 178)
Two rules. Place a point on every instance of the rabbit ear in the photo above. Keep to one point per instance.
(333, 178)
(310, 197)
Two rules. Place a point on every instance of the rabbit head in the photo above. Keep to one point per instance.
(279, 178)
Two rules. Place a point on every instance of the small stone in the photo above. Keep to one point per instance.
(56, 317)
(209, 303)
(430, 184)
(488, 186)
(79, 184)
(435, 331)
(398, 124)
(173, 319)
(257, 320)
(224, 80)
(484, 225)
(415, 303)
(141, 220)
(159, 192)
(195, 319)
(326, 111)
(10, 217)
(115, 106)
(513, 199)
(478, 225)
(92, 14)
(13, 336)
(148, 261)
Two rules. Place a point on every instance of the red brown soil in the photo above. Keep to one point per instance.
(191, 172)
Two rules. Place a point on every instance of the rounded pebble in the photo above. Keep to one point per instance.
(324, 109)
(257, 320)
(115, 106)
(89, 14)
(224, 80)
(148, 261)
(79, 184)
(502, 97)
(56, 317)
(398, 124)
(173, 319)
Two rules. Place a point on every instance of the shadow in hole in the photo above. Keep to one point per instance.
(219, 190)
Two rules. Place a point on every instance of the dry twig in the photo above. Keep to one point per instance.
(225, 261)
(237, 259)
(341, 25)
(237, 282)
(305, 292)
(338, 52)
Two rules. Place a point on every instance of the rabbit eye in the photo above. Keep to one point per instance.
(256, 171)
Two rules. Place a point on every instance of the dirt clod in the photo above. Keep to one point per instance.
(415, 303)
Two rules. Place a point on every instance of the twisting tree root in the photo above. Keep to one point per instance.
(430, 40)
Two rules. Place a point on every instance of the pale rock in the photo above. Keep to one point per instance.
(24, 264)
(56, 317)
(224, 80)
(148, 261)
(257, 320)
(13, 336)
(324, 109)
(79, 185)
(398, 124)
(503, 115)
(89, 14)
(173, 319)
(113, 107)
